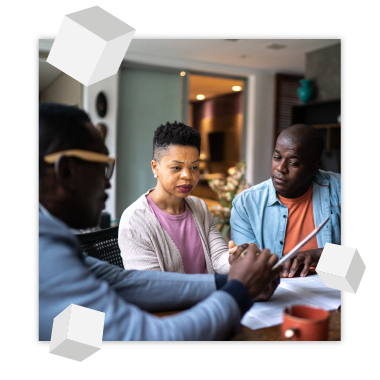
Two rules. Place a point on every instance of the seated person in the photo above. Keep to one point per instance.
(74, 174)
(166, 229)
(280, 212)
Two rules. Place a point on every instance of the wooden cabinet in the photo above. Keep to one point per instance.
(324, 116)
(331, 135)
(316, 113)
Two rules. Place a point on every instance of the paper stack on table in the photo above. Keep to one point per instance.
(292, 291)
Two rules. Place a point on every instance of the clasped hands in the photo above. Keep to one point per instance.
(255, 271)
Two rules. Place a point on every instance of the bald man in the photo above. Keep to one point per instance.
(280, 212)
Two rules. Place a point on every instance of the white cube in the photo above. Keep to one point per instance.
(90, 45)
(77, 332)
(340, 267)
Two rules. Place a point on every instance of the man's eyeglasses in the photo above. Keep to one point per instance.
(86, 156)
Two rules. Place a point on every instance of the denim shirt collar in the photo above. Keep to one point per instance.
(273, 198)
(43, 210)
(320, 179)
(46, 213)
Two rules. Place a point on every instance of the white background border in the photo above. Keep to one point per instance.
(358, 21)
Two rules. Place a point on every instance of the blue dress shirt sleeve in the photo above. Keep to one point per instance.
(241, 229)
(241, 295)
(165, 290)
(65, 278)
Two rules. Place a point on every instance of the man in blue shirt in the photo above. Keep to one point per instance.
(74, 173)
(259, 216)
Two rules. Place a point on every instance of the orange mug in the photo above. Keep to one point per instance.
(303, 322)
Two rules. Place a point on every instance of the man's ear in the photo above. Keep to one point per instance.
(316, 166)
(65, 172)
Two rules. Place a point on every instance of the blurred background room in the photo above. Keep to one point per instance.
(239, 94)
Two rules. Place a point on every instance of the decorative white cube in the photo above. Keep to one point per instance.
(340, 267)
(77, 332)
(90, 45)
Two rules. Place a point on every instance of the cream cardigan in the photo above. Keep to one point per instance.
(145, 245)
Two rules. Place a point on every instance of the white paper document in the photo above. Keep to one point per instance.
(292, 291)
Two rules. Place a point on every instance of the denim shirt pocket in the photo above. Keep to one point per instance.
(335, 226)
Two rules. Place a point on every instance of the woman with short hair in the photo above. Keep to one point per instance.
(166, 229)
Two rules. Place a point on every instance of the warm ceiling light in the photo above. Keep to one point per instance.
(236, 88)
(200, 97)
(182, 73)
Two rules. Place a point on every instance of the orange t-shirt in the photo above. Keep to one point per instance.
(300, 221)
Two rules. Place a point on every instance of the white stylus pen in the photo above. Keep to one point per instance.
(300, 245)
(297, 247)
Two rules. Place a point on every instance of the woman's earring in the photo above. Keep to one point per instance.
(155, 175)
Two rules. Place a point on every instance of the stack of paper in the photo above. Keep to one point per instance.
(291, 291)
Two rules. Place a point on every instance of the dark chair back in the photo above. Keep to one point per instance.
(102, 245)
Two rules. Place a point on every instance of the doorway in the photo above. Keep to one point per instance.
(216, 109)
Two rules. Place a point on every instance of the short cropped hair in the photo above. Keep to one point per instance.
(61, 127)
(171, 134)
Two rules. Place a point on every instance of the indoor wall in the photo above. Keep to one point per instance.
(64, 90)
(148, 98)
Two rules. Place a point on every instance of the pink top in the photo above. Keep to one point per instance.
(184, 233)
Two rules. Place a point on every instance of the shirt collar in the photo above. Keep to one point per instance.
(43, 210)
(272, 199)
(321, 179)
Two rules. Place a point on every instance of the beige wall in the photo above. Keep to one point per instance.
(64, 90)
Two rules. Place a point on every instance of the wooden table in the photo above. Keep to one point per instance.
(274, 333)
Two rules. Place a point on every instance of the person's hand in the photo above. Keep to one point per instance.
(306, 258)
(255, 271)
(236, 250)
(268, 291)
(232, 247)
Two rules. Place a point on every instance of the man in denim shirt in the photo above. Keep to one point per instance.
(280, 212)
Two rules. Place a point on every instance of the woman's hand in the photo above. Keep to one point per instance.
(236, 250)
